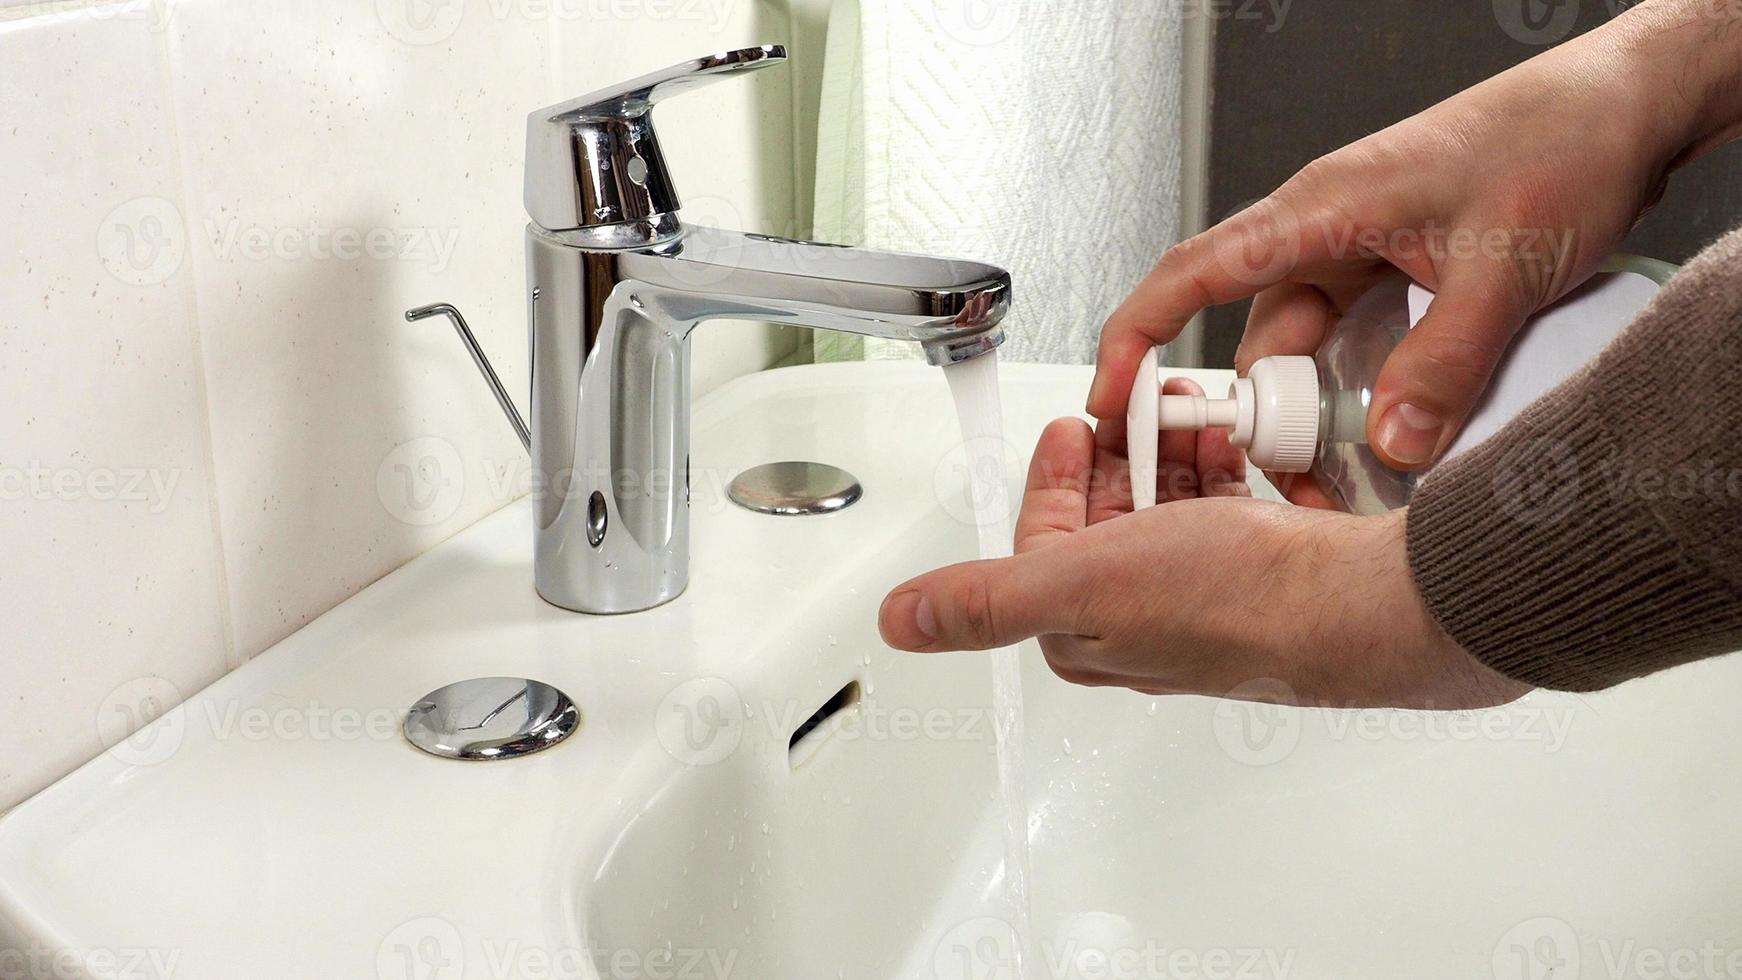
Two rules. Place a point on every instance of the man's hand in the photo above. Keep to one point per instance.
(1203, 594)
(1502, 199)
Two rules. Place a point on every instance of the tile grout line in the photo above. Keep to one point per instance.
(161, 10)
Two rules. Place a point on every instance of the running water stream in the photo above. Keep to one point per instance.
(974, 385)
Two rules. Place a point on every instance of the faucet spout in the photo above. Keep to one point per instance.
(953, 308)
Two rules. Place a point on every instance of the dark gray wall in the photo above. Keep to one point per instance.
(1290, 89)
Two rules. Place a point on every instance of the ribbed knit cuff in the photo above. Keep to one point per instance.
(1535, 556)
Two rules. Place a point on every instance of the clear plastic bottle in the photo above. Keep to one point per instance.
(1345, 467)
(1297, 414)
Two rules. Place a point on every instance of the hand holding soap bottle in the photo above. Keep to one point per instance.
(1296, 414)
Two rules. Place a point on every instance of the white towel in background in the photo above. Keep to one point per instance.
(1041, 135)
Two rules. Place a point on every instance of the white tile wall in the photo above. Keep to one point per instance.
(109, 559)
(218, 211)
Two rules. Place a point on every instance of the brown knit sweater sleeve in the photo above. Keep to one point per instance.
(1598, 537)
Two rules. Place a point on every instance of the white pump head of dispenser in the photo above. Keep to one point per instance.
(1272, 413)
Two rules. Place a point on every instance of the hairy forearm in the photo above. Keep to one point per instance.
(1687, 55)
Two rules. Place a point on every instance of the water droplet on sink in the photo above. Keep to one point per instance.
(1067, 744)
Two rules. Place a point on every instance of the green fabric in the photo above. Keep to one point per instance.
(840, 195)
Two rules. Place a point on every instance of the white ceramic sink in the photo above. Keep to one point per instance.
(276, 825)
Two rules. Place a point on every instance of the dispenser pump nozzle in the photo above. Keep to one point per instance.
(1272, 413)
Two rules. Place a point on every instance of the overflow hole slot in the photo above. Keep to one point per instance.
(807, 736)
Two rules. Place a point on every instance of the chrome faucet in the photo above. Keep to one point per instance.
(616, 283)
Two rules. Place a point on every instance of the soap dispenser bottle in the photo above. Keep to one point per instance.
(1295, 414)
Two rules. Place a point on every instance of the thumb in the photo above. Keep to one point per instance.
(1433, 379)
(979, 605)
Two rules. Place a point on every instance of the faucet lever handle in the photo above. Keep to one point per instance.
(594, 169)
(634, 97)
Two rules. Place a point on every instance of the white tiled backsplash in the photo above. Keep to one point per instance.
(216, 422)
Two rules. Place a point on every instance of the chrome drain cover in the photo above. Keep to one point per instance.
(491, 718)
(794, 489)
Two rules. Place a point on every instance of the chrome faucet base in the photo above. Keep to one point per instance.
(611, 379)
(615, 284)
